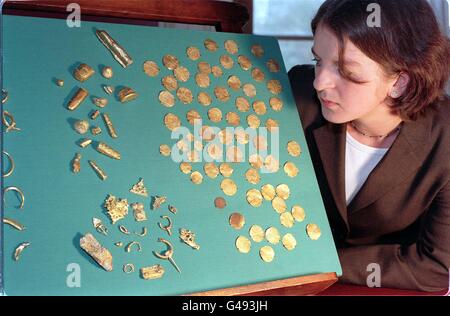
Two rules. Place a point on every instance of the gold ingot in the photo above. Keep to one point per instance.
(76, 163)
(259, 107)
(233, 119)
(83, 72)
(193, 53)
(294, 148)
(313, 231)
(96, 130)
(153, 272)
(222, 94)
(118, 52)
(267, 254)
(234, 154)
(241, 136)
(192, 116)
(169, 82)
(193, 156)
(216, 71)
(244, 62)
(268, 192)
(211, 45)
(196, 177)
(95, 114)
(215, 151)
(289, 242)
(252, 176)
(231, 47)
(182, 73)
(139, 188)
(185, 167)
(257, 233)
(237, 221)
(273, 235)
(127, 94)
(249, 90)
(211, 170)
(253, 121)
(204, 98)
(257, 50)
(228, 187)
(215, 115)
(283, 191)
(108, 151)
(107, 72)
(151, 68)
(260, 143)
(165, 150)
(287, 220)
(290, 169)
(172, 121)
(139, 212)
(100, 254)
(255, 161)
(85, 142)
(274, 86)
(226, 170)
(109, 125)
(298, 213)
(204, 68)
(254, 197)
(242, 104)
(207, 133)
(166, 98)
(185, 95)
(77, 99)
(276, 104)
(99, 171)
(279, 205)
(225, 137)
(258, 74)
(117, 208)
(243, 244)
(202, 80)
(271, 125)
(234, 82)
(273, 65)
(226, 61)
(81, 126)
(171, 62)
(271, 164)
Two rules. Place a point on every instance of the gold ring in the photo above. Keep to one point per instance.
(128, 268)
(22, 197)
(9, 125)
(11, 165)
(4, 96)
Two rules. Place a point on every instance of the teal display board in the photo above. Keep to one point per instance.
(59, 205)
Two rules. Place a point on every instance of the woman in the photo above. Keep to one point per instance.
(377, 123)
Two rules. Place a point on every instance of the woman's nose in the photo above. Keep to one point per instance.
(324, 79)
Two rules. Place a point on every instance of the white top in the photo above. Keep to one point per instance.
(360, 160)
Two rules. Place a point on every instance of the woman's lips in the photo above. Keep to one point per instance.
(328, 104)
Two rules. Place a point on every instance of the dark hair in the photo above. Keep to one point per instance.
(408, 40)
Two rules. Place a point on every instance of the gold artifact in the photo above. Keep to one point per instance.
(81, 126)
(272, 235)
(96, 130)
(159, 200)
(127, 94)
(188, 237)
(59, 82)
(13, 223)
(108, 151)
(241, 136)
(234, 82)
(100, 254)
(99, 171)
(193, 53)
(83, 72)
(253, 121)
(117, 208)
(244, 62)
(185, 167)
(237, 221)
(181, 73)
(196, 177)
(271, 125)
(168, 227)
(226, 169)
(268, 192)
(153, 272)
(257, 50)
(99, 226)
(274, 86)
(258, 74)
(11, 165)
(128, 268)
(222, 94)
(283, 191)
(313, 231)
(287, 220)
(228, 187)
(100, 102)
(254, 197)
(115, 49)
(151, 68)
(233, 119)
(4, 96)
(271, 164)
(139, 212)
(202, 80)
(220, 202)
(291, 169)
(259, 107)
(168, 254)
(211, 170)
(211, 45)
(289, 242)
(242, 104)
(131, 244)
(298, 213)
(216, 71)
(267, 253)
(249, 90)
(108, 89)
(192, 116)
(204, 98)
(273, 65)
(107, 72)
(165, 150)
(204, 67)
(143, 233)
(226, 61)
(171, 121)
(95, 114)
(172, 209)
(139, 188)
(243, 244)
(124, 230)
(279, 205)
(231, 47)
(19, 250)
(294, 148)
(185, 95)
(77, 99)
(16, 189)
(11, 124)
(257, 233)
(109, 125)
(169, 82)
(119, 244)
(252, 176)
(171, 62)
(276, 104)
(255, 161)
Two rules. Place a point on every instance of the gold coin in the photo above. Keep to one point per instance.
(252, 176)
(313, 231)
(253, 121)
(221, 94)
(260, 142)
(207, 133)
(268, 192)
(276, 104)
(234, 154)
(287, 220)
(273, 235)
(273, 65)
(217, 71)
(169, 82)
(219, 202)
(257, 50)
(283, 191)
(243, 244)
(226, 170)
(204, 98)
(166, 98)
(289, 242)
(241, 136)
(242, 104)
(254, 197)
(165, 150)
(267, 253)
(259, 107)
(298, 213)
(244, 62)
(257, 233)
(226, 61)
(193, 156)
(271, 125)
(202, 80)
(233, 119)
(211, 170)
(182, 73)
(172, 121)
(279, 205)
(290, 169)
(215, 115)
(204, 68)
(237, 221)
(151, 68)
(258, 74)
(184, 95)
(249, 90)
(225, 137)
(185, 167)
(196, 177)
(228, 187)
(231, 47)
(255, 161)
(171, 62)
(182, 145)
(193, 53)
(198, 145)
(274, 86)
(234, 82)
(211, 45)
(192, 116)
(190, 137)
(271, 164)
(215, 151)
(294, 148)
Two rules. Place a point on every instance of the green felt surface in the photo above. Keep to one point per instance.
(59, 205)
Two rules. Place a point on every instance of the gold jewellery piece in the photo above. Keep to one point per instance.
(4, 96)
(144, 232)
(127, 94)
(99, 226)
(133, 243)
(13, 223)
(9, 121)
(188, 238)
(124, 230)
(115, 49)
(128, 268)
(168, 254)
(117, 208)
(159, 200)
(22, 197)
(77, 99)
(11, 165)
(153, 272)
(169, 225)
(108, 151)
(76, 163)
(99, 171)
(19, 250)
(109, 125)
(93, 248)
(83, 72)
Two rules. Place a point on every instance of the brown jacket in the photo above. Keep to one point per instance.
(400, 219)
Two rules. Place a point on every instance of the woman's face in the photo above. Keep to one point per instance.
(343, 100)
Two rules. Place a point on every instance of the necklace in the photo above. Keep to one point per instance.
(376, 136)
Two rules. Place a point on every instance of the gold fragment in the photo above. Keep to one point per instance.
(185, 167)
(313, 231)
(257, 233)
(169, 82)
(272, 235)
(171, 62)
(107, 72)
(254, 197)
(4, 96)
(258, 74)
(153, 272)
(77, 99)
(298, 213)
(181, 73)
(196, 177)
(204, 98)
(95, 114)
(168, 254)
(19, 191)
(13, 223)
(108, 89)
(226, 61)
(283, 191)
(139, 188)
(165, 150)
(59, 82)
(127, 94)
(222, 94)
(193, 53)
(279, 205)
(124, 230)
(228, 187)
(237, 221)
(243, 244)
(290, 169)
(168, 227)
(274, 86)
(287, 220)
(76, 163)
(234, 82)
(158, 201)
(9, 121)
(151, 69)
(119, 244)
(115, 49)
(100, 102)
(109, 125)
(100, 254)
(202, 80)
(83, 72)
(99, 226)
(185, 95)
(211, 170)
(188, 237)
(216, 71)
(249, 90)
(276, 104)
(253, 121)
(139, 212)
(211, 45)
(259, 107)
(242, 104)
(244, 62)
(128, 268)
(117, 208)
(99, 171)
(294, 148)
(233, 118)
(172, 209)
(226, 170)
(257, 50)
(108, 151)
(19, 250)
(252, 176)
(267, 253)
(289, 242)
(81, 126)
(133, 243)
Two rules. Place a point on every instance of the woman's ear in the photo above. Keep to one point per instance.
(400, 85)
